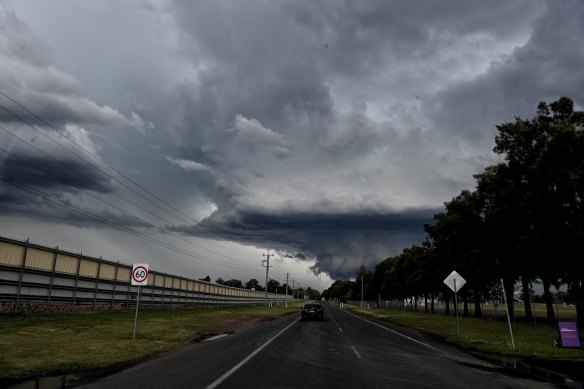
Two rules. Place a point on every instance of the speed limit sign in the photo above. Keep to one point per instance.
(140, 274)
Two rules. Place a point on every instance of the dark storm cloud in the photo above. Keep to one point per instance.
(338, 242)
(54, 175)
(50, 190)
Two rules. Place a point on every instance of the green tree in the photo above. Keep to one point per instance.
(340, 290)
(234, 283)
(539, 189)
(254, 284)
(364, 281)
(458, 238)
(273, 286)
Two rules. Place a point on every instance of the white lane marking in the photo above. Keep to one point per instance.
(356, 353)
(340, 329)
(397, 333)
(219, 380)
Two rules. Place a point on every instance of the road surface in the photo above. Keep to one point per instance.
(343, 351)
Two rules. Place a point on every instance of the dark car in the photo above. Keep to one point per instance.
(312, 311)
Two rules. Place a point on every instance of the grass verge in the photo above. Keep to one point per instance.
(482, 335)
(42, 345)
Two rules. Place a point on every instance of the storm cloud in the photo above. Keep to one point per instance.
(329, 132)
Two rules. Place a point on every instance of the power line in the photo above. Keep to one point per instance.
(114, 206)
(127, 230)
(97, 158)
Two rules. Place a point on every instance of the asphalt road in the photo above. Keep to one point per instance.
(343, 351)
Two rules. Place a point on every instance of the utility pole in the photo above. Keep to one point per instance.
(361, 290)
(287, 274)
(293, 290)
(267, 270)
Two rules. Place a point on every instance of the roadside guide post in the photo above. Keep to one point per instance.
(139, 278)
(455, 281)
(508, 318)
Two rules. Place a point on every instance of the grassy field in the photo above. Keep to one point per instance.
(485, 335)
(61, 343)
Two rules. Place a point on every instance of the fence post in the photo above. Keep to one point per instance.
(152, 302)
(163, 288)
(53, 267)
(128, 294)
(96, 283)
(186, 291)
(22, 264)
(77, 277)
(115, 284)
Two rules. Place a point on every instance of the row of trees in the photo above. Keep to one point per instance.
(274, 286)
(524, 221)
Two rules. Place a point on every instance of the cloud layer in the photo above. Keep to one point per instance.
(328, 131)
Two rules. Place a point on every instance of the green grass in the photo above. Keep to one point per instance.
(61, 343)
(482, 335)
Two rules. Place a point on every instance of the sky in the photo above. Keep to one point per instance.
(199, 136)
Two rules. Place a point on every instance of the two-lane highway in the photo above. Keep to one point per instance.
(343, 351)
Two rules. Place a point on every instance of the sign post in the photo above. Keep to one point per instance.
(455, 281)
(508, 317)
(139, 278)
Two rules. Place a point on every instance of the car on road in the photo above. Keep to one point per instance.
(312, 311)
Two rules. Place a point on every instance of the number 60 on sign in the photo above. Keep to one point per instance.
(140, 274)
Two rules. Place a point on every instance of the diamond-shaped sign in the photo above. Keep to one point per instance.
(455, 281)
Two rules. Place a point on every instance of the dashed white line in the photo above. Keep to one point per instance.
(355, 351)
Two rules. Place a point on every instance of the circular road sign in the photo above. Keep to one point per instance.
(140, 274)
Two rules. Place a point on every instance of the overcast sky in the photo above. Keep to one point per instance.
(197, 135)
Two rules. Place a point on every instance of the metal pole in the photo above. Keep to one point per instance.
(267, 270)
(361, 290)
(508, 318)
(136, 316)
(456, 308)
(287, 274)
(53, 267)
(20, 275)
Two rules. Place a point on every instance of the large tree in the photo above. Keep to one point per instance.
(544, 161)
(458, 239)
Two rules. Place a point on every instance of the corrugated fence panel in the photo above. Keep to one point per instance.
(159, 280)
(167, 282)
(39, 259)
(88, 268)
(66, 264)
(124, 273)
(176, 283)
(107, 271)
(10, 254)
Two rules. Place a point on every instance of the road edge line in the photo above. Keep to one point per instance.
(226, 375)
(395, 332)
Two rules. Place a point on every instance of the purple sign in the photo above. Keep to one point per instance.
(569, 334)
